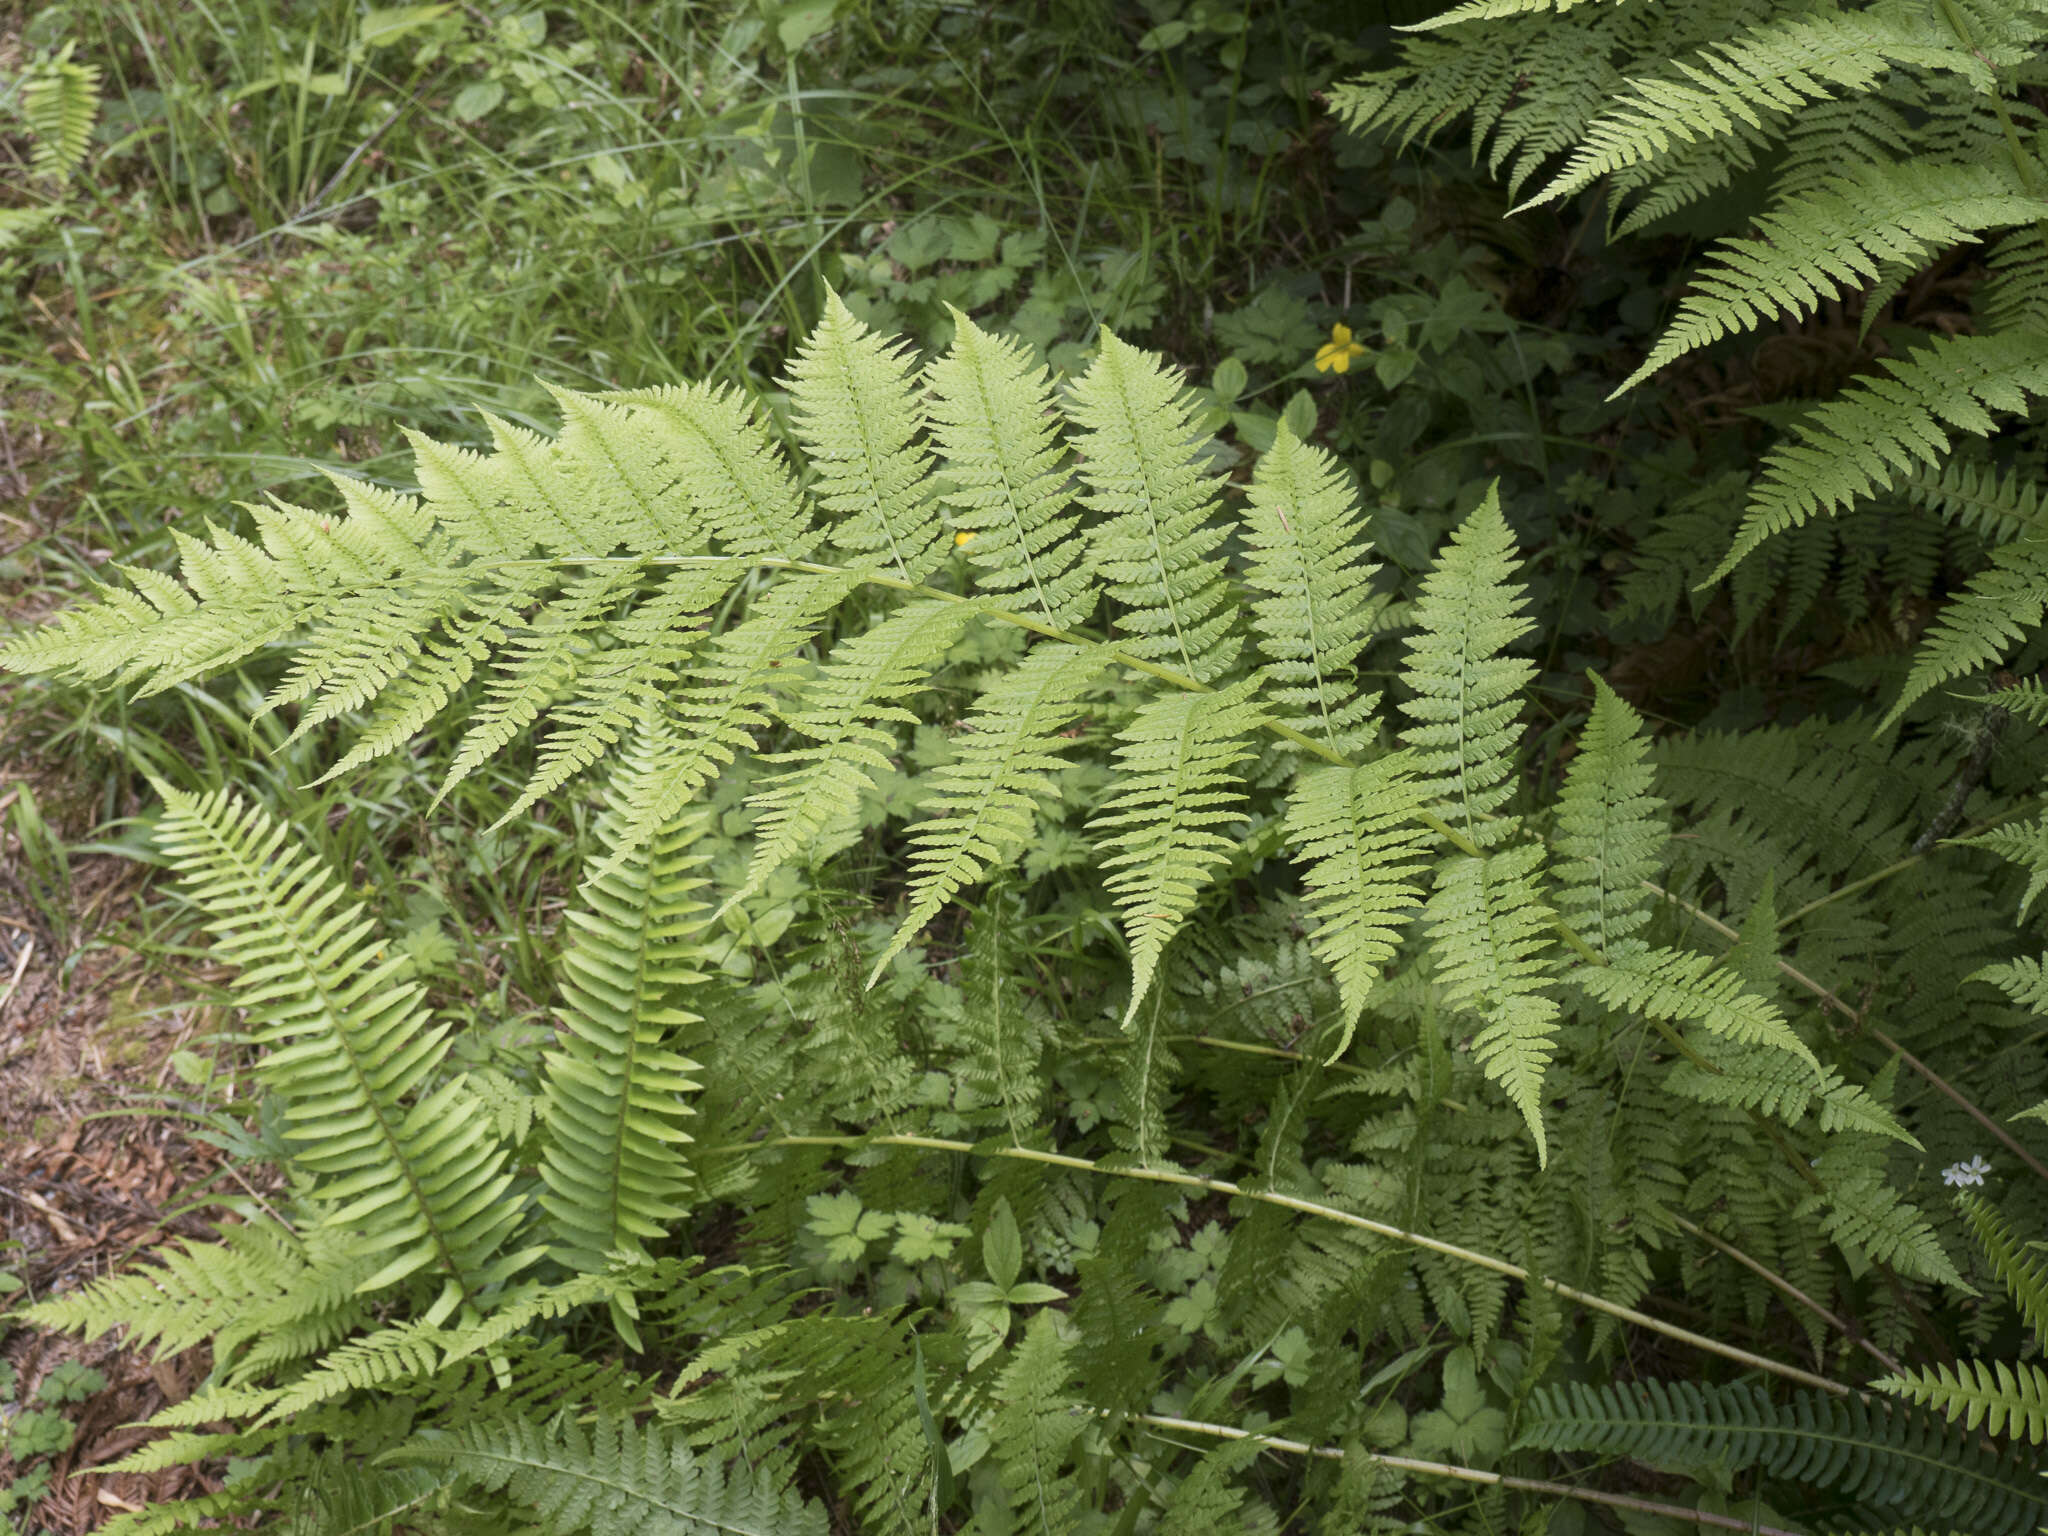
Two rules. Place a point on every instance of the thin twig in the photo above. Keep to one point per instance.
(1842, 1325)
(1451, 1470)
(1159, 1175)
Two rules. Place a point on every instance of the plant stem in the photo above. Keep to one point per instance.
(1188, 1180)
(1467, 1475)
(1856, 1018)
(1771, 1277)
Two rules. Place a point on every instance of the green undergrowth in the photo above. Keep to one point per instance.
(1054, 768)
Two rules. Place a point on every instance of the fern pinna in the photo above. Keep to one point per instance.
(1207, 862)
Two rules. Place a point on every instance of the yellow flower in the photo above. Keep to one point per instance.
(1338, 351)
(960, 539)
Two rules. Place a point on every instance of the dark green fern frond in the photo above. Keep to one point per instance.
(1176, 784)
(1156, 547)
(617, 1479)
(859, 422)
(1611, 829)
(1035, 1429)
(1859, 443)
(1833, 240)
(981, 806)
(2006, 1399)
(1914, 1469)
(998, 1021)
(1467, 694)
(613, 1089)
(1307, 554)
(1355, 830)
(1490, 944)
(993, 418)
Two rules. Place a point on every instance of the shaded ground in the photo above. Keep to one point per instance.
(85, 1182)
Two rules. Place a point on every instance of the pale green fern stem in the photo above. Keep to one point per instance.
(1486, 1261)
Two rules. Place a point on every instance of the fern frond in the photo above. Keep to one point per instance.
(60, 102)
(1611, 829)
(1776, 68)
(1833, 240)
(1490, 945)
(1307, 554)
(1673, 984)
(1355, 830)
(858, 419)
(1860, 1209)
(993, 419)
(713, 720)
(2024, 979)
(861, 689)
(1034, 1429)
(1176, 783)
(1860, 442)
(981, 804)
(1972, 494)
(1002, 1036)
(613, 1090)
(618, 1479)
(1998, 609)
(1495, 10)
(2022, 1268)
(1467, 694)
(1156, 547)
(352, 1051)
(1915, 1469)
(1782, 1085)
(738, 483)
(2006, 1399)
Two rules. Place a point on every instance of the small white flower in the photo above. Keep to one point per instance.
(1965, 1175)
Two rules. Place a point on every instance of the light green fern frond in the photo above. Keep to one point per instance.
(859, 419)
(1672, 984)
(1467, 694)
(1833, 240)
(418, 1173)
(707, 724)
(860, 689)
(982, 806)
(1859, 1209)
(616, 1479)
(60, 102)
(1176, 784)
(613, 1090)
(1611, 830)
(1003, 1037)
(1006, 472)
(1489, 937)
(2022, 1268)
(1997, 609)
(1156, 548)
(1777, 68)
(1782, 1085)
(1355, 829)
(1860, 442)
(2000, 504)
(738, 482)
(1496, 10)
(186, 1295)
(2006, 1399)
(1307, 554)
(2025, 979)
